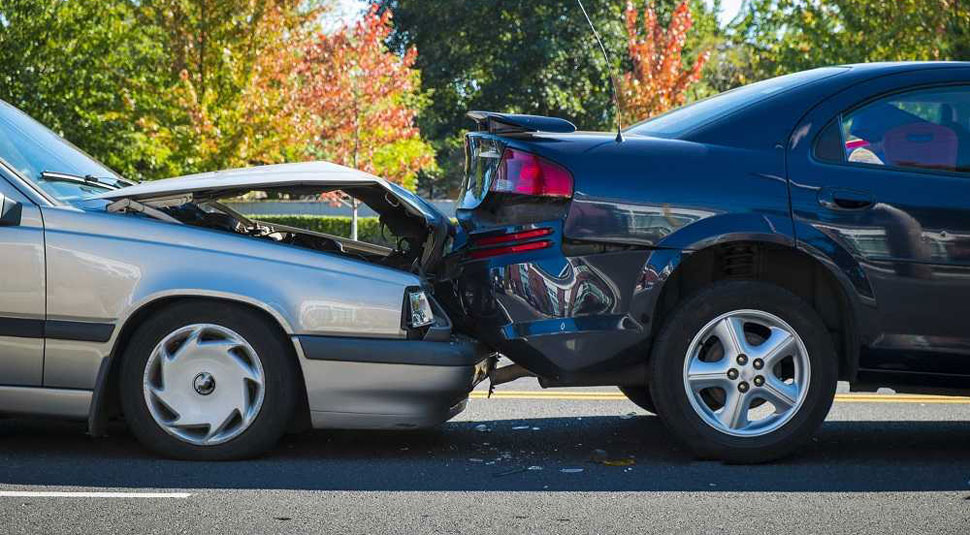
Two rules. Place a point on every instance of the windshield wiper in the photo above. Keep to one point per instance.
(89, 180)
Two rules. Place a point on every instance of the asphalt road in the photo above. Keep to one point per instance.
(519, 463)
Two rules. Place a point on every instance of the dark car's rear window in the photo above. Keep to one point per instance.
(685, 119)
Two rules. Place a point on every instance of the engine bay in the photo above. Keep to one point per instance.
(411, 235)
(404, 255)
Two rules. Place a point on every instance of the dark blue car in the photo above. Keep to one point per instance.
(726, 263)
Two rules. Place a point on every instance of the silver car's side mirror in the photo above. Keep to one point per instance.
(10, 211)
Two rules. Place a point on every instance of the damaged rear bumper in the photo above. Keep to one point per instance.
(362, 383)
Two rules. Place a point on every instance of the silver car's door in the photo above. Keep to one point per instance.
(22, 289)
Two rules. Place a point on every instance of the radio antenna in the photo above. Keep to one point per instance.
(609, 65)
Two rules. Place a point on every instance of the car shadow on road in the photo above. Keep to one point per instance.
(598, 453)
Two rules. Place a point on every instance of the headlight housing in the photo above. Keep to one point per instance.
(419, 312)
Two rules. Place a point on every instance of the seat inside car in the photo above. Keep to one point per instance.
(921, 144)
(950, 119)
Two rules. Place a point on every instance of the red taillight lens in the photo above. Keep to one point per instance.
(509, 249)
(525, 173)
(502, 239)
(485, 241)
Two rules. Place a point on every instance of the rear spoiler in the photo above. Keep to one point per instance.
(511, 123)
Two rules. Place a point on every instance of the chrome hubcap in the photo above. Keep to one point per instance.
(204, 384)
(746, 373)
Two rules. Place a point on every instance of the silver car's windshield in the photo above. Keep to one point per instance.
(33, 150)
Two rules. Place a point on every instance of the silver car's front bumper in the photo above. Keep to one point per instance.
(360, 383)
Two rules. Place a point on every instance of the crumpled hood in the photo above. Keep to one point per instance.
(386, 198)
(311, 175)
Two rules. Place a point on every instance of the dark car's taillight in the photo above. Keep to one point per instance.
(524, 173)
(501, 244)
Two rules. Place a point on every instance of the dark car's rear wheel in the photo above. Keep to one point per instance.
(639, 395)
(744, 372)
(207, 382)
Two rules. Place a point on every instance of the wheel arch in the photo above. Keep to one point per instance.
(105, 401)
(802, 271)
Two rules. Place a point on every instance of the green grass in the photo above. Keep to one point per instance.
(368, 228)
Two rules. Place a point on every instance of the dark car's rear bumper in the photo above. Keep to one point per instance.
(363, 383)
(563, 318)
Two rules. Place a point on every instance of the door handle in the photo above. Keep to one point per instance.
(845, 199)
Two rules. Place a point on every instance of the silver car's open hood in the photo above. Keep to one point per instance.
(386, 198)
(324, 176)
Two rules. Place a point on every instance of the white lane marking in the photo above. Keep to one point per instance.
(82, 494)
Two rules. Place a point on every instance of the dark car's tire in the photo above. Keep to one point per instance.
(640, 396)
(224, 387)
(793, 389)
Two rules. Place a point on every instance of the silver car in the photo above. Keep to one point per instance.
(212, 333)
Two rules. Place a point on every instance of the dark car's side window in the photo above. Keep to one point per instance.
(828, 145)
(922, 129)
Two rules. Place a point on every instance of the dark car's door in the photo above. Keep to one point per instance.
(22, 291)
(884, 171)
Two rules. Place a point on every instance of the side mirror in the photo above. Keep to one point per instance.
(10, 211)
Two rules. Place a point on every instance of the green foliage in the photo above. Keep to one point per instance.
(157, 88)
(368, 228)
(83, 69)
(517, 56)
(229, 68)
(783, 36)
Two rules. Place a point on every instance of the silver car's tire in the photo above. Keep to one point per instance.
(207, 381)
(744, 372)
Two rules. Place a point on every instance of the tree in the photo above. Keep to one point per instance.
(157, 88)
(786, 36)
(84, 69)
(658, 80)
(523, 56)
(231, 66)
(360, 100)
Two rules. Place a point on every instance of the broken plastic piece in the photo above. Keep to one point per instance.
(507, 374)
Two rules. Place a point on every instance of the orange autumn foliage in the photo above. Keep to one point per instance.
(361, 100)
(659, 81)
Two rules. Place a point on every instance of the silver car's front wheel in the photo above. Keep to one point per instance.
(204, 384)
(747, 373)
(204, 380)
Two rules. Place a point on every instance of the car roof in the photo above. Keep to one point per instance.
(776, 116)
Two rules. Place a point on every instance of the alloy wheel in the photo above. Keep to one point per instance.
(746, 373)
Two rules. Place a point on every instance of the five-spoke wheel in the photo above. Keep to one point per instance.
(746, 372)
(743, 371)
